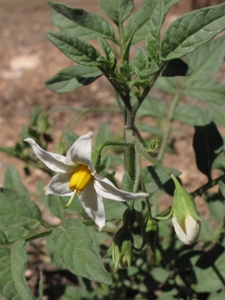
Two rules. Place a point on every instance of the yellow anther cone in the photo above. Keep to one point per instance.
(80, 178)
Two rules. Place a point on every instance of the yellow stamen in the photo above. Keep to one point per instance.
(80, 179)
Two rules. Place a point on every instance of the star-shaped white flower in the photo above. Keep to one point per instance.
(77, 175)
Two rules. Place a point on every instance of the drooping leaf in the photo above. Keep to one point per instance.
(12, 282)
(206, 91)
(175, 67)
(117, 10)
(80, 23)
(17, 210)
(192, 30)
(207, 143)
(75, 49)
(70, 79)
(72, 243)
(205, 61)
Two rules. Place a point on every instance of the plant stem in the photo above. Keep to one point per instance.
(37, 235)
(207, 186)
(167, 133)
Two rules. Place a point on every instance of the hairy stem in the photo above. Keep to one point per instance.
(167, 133)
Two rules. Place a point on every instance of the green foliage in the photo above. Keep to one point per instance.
(72, 78)
(12, 282)
(72, 243)
(192, 30)
(183, 63)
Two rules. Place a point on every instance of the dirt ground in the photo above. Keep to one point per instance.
(28, 59)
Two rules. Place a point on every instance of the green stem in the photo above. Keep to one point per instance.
(167, 133)
(207, 186)
(37, 235)
(151, 159)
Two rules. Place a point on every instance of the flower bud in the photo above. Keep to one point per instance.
(185, 218)
(150, 232)
(122, 248)
(129, 217)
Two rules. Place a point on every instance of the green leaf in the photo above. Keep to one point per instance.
(17, 210)
(70, 138)
(207, 268)
(192, 30)
(11, 235)
(175, 67)
(109, 54)
(136, 24)
(103, 134)
(80, 23)
(156, 179)
(205, 62)
(75, 49)
(207, 232)
(217, 113)
(70, 79)
(114, 210)
(12, 181)
(207, 142)
(117, 10)
(167, 84)
(169, 3)
(72, 243)
(217, 209)
(159, 274)
(12, 282)
(152, 107)
(146, 73)
(155, 22)
(217, 296)
(188, 113)
(141, 60)
(206, 91)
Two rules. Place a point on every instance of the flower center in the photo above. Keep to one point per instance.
(80, 179)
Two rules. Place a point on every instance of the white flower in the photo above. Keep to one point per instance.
(77, 175)
(188, 231)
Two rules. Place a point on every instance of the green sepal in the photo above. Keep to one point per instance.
(183, 203)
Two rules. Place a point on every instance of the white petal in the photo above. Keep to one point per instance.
(53, 161)
(80, 151)
(188, 231)
(59, 185)
(107, 189)
(93, 205)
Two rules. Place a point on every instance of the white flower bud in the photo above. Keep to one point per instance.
(188, 231)
(185, 217)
